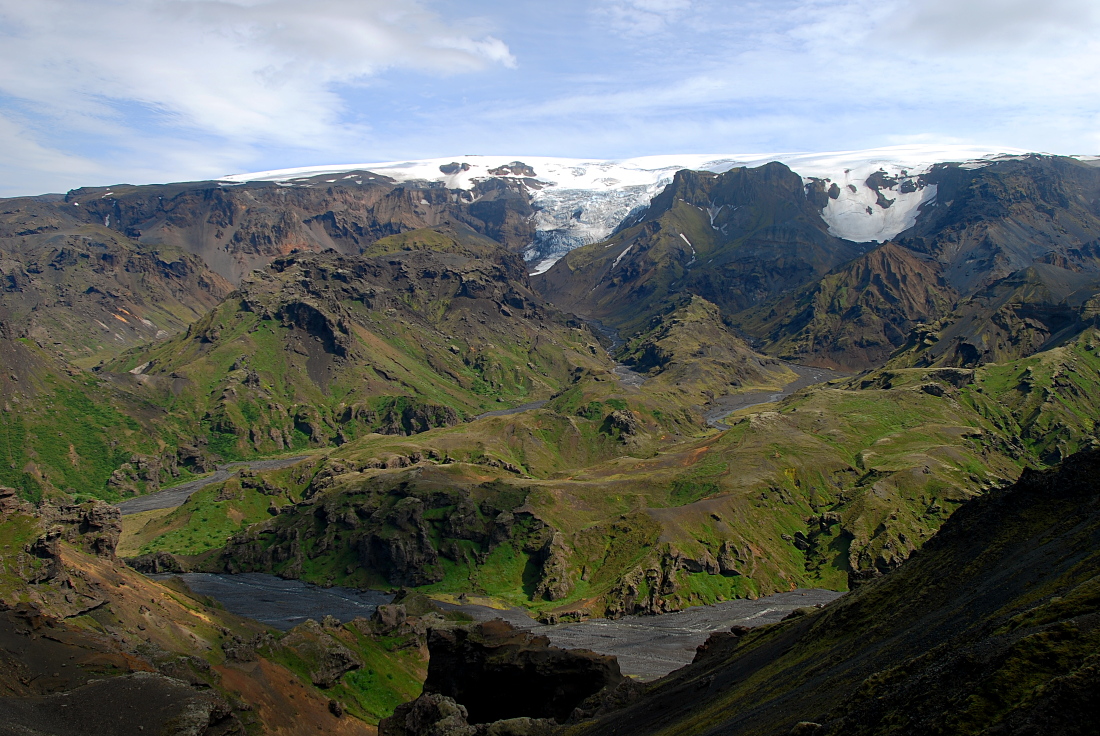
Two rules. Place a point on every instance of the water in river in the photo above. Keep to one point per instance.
(647, 647)
(280, 603)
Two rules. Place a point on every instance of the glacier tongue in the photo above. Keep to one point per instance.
(877, 193)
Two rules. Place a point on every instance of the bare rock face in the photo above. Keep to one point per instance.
(92, 527)
(156, 563)
(554, 583)
(499, 673)
(10, 503)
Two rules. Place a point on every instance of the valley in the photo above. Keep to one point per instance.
(333, 423)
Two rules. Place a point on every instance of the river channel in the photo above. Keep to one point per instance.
(647, 647)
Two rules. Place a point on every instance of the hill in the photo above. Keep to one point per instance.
(991, 628)
(318, 349)
(86, 292)
(236, 228)
(735, 239)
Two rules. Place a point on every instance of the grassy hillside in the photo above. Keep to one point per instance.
(570, 512)
(65, 431)
(991, 629)
(322, 349)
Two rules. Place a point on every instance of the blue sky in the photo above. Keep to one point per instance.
(107, 91)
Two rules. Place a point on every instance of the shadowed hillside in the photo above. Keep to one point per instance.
(991, 629)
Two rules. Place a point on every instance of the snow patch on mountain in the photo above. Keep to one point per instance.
(878, 192)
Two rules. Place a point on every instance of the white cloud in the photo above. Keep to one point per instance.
(977, 25)
(150, 90)
(642, 17)
(28, 166)
(246, 70)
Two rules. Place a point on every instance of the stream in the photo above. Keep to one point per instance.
(647, 647)
(726, 405)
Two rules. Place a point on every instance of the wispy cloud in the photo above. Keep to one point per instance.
(976, 26)
(642, 17)
(248, 71)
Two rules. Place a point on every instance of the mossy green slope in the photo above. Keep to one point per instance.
(323, 348)
(63, 430)
(833, 486)
(992, 628)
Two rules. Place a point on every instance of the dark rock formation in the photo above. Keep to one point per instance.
(156, 563)
(93, 527)
(494, 679)
(142, 702)
(498, 672)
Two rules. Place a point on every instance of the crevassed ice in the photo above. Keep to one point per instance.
(582, 201)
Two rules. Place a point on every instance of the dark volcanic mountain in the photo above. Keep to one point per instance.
(1014, 238)
(855, 317)
(238, 227)
(1022, 314)
(991, 221)
(85, 291)
(735, 239)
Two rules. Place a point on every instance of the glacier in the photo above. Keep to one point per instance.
(878, 192)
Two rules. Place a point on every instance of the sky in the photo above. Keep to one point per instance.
(96, 92)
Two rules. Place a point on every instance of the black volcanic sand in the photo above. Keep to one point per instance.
(649, 647)
(280, 603)
(176, 495)
(807, 376)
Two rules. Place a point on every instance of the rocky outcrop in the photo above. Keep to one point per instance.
(93, 527)
(326, 657)
(493, 680)
(156, 563)
(405, 555)
(144, 473)
(554, 581)
(243, 227)
(11, 503)
(384, 520)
